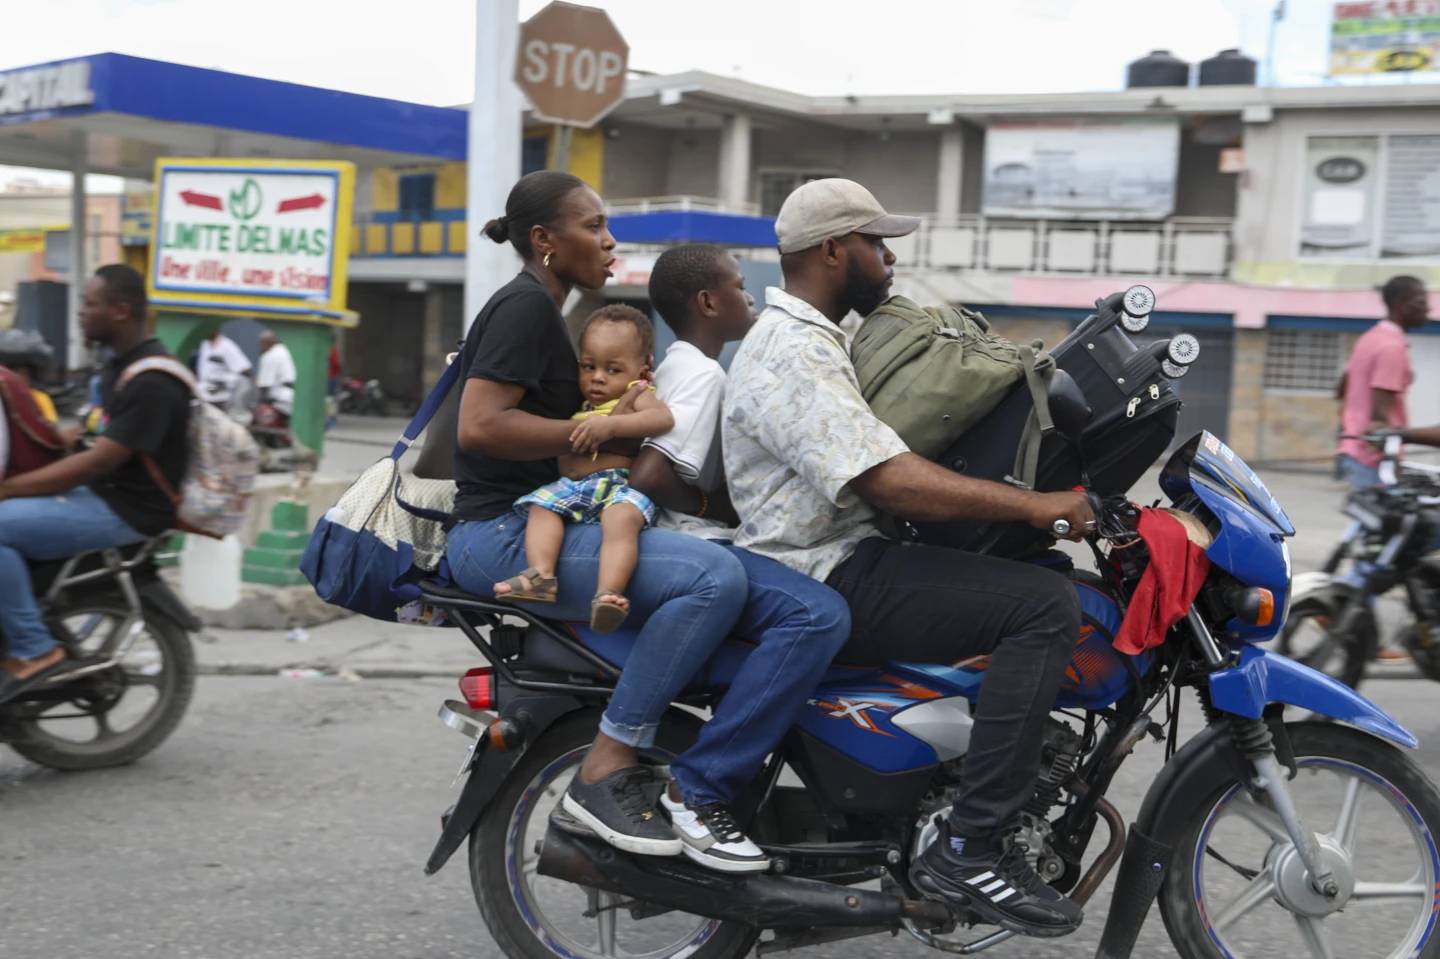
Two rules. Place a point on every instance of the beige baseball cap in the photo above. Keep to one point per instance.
(834, 207)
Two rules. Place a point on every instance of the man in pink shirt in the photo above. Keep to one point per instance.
(1376, 378)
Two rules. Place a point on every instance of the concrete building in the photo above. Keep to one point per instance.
(1263, 218)
(1270, 264)
(26, 206)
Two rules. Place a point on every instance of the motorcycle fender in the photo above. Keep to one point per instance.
(154, 593)
(488, 772)
(490, 768)
(1263, 677)
(1305, 585)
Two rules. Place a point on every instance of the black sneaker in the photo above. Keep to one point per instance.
(1001, 888)
(620, 811)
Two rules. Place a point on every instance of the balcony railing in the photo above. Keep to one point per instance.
(655, 204)
(385, 236)
(1179, 246)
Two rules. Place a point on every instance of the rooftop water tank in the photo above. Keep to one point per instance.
(1228, 67)
(1160, 68)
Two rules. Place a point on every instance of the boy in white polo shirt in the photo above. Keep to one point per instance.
(795, 622)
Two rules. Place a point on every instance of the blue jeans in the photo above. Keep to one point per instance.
(689, 593)
(798, 624)
(47, 528)
(1356, 473)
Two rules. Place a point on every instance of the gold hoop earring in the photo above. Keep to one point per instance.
(546, 262)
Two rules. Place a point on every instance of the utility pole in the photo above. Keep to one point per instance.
(1276, 16)
(493, 160)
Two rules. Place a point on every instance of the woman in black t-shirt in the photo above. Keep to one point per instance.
(521, 387)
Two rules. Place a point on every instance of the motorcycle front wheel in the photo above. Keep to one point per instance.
(1236, 887)
(536, 917)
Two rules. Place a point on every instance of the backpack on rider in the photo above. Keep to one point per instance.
(32, 440)
(221, 460)
(934, 372)
(965, 398)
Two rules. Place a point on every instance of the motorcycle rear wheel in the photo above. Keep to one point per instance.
(1382, 810)
(161, 659)
(524, 910)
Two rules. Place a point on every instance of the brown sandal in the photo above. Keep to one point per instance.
(606, 617)
(529, 587)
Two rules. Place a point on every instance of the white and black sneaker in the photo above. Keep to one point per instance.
(620, 810)
(713, 838)
(999, 887)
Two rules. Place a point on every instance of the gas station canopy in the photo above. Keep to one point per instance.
(116, 114)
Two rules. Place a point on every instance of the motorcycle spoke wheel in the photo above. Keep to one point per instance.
(1388, 912)
(120, 712)
(586, 923)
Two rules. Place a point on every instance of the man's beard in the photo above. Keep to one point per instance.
(863, 295)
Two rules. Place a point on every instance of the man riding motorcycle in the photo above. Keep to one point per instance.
(102, 497)
(811, 468)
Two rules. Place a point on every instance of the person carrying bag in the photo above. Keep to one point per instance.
(386, 534)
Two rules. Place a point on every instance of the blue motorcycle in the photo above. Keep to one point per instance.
(1259, 837)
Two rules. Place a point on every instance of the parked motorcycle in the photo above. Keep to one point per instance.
(131, 666)
(280, 452)
(1334, 624)
(1247, 835)
(361, 397)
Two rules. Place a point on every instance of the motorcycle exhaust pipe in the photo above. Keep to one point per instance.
(760, 900)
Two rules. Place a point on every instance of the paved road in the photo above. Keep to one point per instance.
(289, 818)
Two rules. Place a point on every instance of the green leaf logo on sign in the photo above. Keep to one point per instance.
(245, 202)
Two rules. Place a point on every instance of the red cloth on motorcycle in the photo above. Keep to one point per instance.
(1168, 586)
(34, 442)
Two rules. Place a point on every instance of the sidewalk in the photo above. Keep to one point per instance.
(350, 648)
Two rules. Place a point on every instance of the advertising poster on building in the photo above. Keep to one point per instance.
(1385, 36)
(1411, 224)
(1338, 217)
(1078, 169)
(23, 240)
(271, 236)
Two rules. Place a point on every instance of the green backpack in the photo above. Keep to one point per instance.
(932, 373)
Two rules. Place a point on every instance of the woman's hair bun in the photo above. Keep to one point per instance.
(497, 229)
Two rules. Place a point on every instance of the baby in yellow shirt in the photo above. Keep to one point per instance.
(616, 346)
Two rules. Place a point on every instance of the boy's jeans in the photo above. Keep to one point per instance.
(798, 625)
(47, 528)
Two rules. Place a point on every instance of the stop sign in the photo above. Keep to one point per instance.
(571, 64)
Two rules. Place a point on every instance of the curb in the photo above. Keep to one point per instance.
(327, 671)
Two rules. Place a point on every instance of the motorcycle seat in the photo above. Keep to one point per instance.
(44, 572)
(545, 652)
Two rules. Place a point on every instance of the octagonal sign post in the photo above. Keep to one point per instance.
(571, 64)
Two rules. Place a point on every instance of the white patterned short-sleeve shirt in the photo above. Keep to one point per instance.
(796, 431)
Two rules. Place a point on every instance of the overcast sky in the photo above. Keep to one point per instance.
(423, 50)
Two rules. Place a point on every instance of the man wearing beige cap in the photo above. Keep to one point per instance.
(810, 471)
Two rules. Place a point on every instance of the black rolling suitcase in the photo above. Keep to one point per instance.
(1134, 413)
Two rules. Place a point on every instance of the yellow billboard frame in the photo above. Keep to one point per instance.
(331, 309)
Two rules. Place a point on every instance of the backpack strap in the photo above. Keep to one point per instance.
(172, 367)
(158, 364)
(1038, 425)
(427, 410)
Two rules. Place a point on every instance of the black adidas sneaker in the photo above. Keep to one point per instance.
(1000, 888)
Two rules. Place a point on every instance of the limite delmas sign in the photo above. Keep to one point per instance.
(230, 233)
